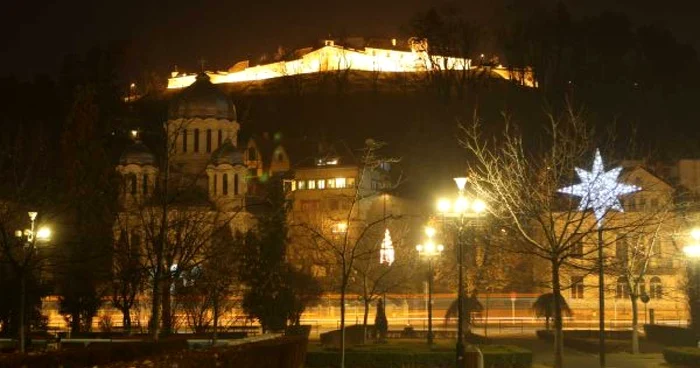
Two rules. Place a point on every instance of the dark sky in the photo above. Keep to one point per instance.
(160, 34)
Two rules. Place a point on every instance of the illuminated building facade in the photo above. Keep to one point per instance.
(406, 56)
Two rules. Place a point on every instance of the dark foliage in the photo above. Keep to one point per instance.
(685, 357)
(380, 321)
(670, 335)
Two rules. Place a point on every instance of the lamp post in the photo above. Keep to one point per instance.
(28, 238)
(460, 208)
(430, 250)
(692, 251)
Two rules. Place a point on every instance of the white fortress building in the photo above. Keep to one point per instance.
(383, 56)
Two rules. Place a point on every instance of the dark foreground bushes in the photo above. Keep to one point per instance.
(587, 340)
(683, 356)
(494, 356)
(94, 354)
(284, 352)
(670, 335)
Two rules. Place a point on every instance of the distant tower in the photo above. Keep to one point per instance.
(137, 167)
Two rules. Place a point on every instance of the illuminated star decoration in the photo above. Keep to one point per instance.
(386, 252)
(599, 189)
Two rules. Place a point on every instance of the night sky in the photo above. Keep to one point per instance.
(160, 35)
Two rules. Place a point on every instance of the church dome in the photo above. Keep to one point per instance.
(227, 154)
(202, 99)
(137, 154)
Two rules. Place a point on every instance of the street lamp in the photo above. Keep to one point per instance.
(460, 208)
(692, 251)
(430, 250)
(29, 238)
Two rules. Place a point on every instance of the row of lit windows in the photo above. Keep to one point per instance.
(195, 133)
(335, 183)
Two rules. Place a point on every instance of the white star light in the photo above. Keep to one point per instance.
(599, 189)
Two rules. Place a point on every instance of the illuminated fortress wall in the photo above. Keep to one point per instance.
(332, 57)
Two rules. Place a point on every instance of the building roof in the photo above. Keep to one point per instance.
(137, 154)
(227, 154)
(202, 99)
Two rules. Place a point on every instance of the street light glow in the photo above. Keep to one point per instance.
(443, 205)
(692, 251)
(43, 234)
(478, 206)
(429, 231)
(461, 205)
(695, 233)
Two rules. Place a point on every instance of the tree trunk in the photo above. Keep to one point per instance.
(74, 323)
(166, 315)
(558, 325)
(364, 319)
(126, 320)
(546, 323)
(216, 321)
(343, 285)
(635, 324)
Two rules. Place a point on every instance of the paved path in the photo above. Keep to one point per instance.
(543, 355)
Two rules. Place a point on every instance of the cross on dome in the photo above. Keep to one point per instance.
(599, 189)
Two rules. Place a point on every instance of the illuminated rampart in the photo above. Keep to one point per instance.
(333, 58)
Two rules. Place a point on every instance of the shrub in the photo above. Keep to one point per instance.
(683, 356)
(494, 357)
(670, 335)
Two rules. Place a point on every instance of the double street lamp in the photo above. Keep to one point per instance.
(28, 239)
(460, 208)
(429, 250)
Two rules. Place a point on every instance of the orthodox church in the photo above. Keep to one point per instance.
(204, 166)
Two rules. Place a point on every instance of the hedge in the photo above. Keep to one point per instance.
(683, 356)
(586, 341)
(94, 354)
(284, 352)
(494, 357)
(670, 335)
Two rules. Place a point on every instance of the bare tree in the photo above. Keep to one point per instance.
(344, 236)
(523, 179)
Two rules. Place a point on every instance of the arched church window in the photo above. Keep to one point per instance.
(184, 140)
(235, 184)
(208, 140)
(196, 140)
(280, 157)
(216, 177)
(224, 184)
(219, 139)
(251, 154)
(145, 184)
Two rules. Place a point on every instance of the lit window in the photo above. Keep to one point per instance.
(340, 228)
(340, 182)
(321, 184)
(351, 182)
(331, 183)
(312, 184)
(301, 184)
(289, 185)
